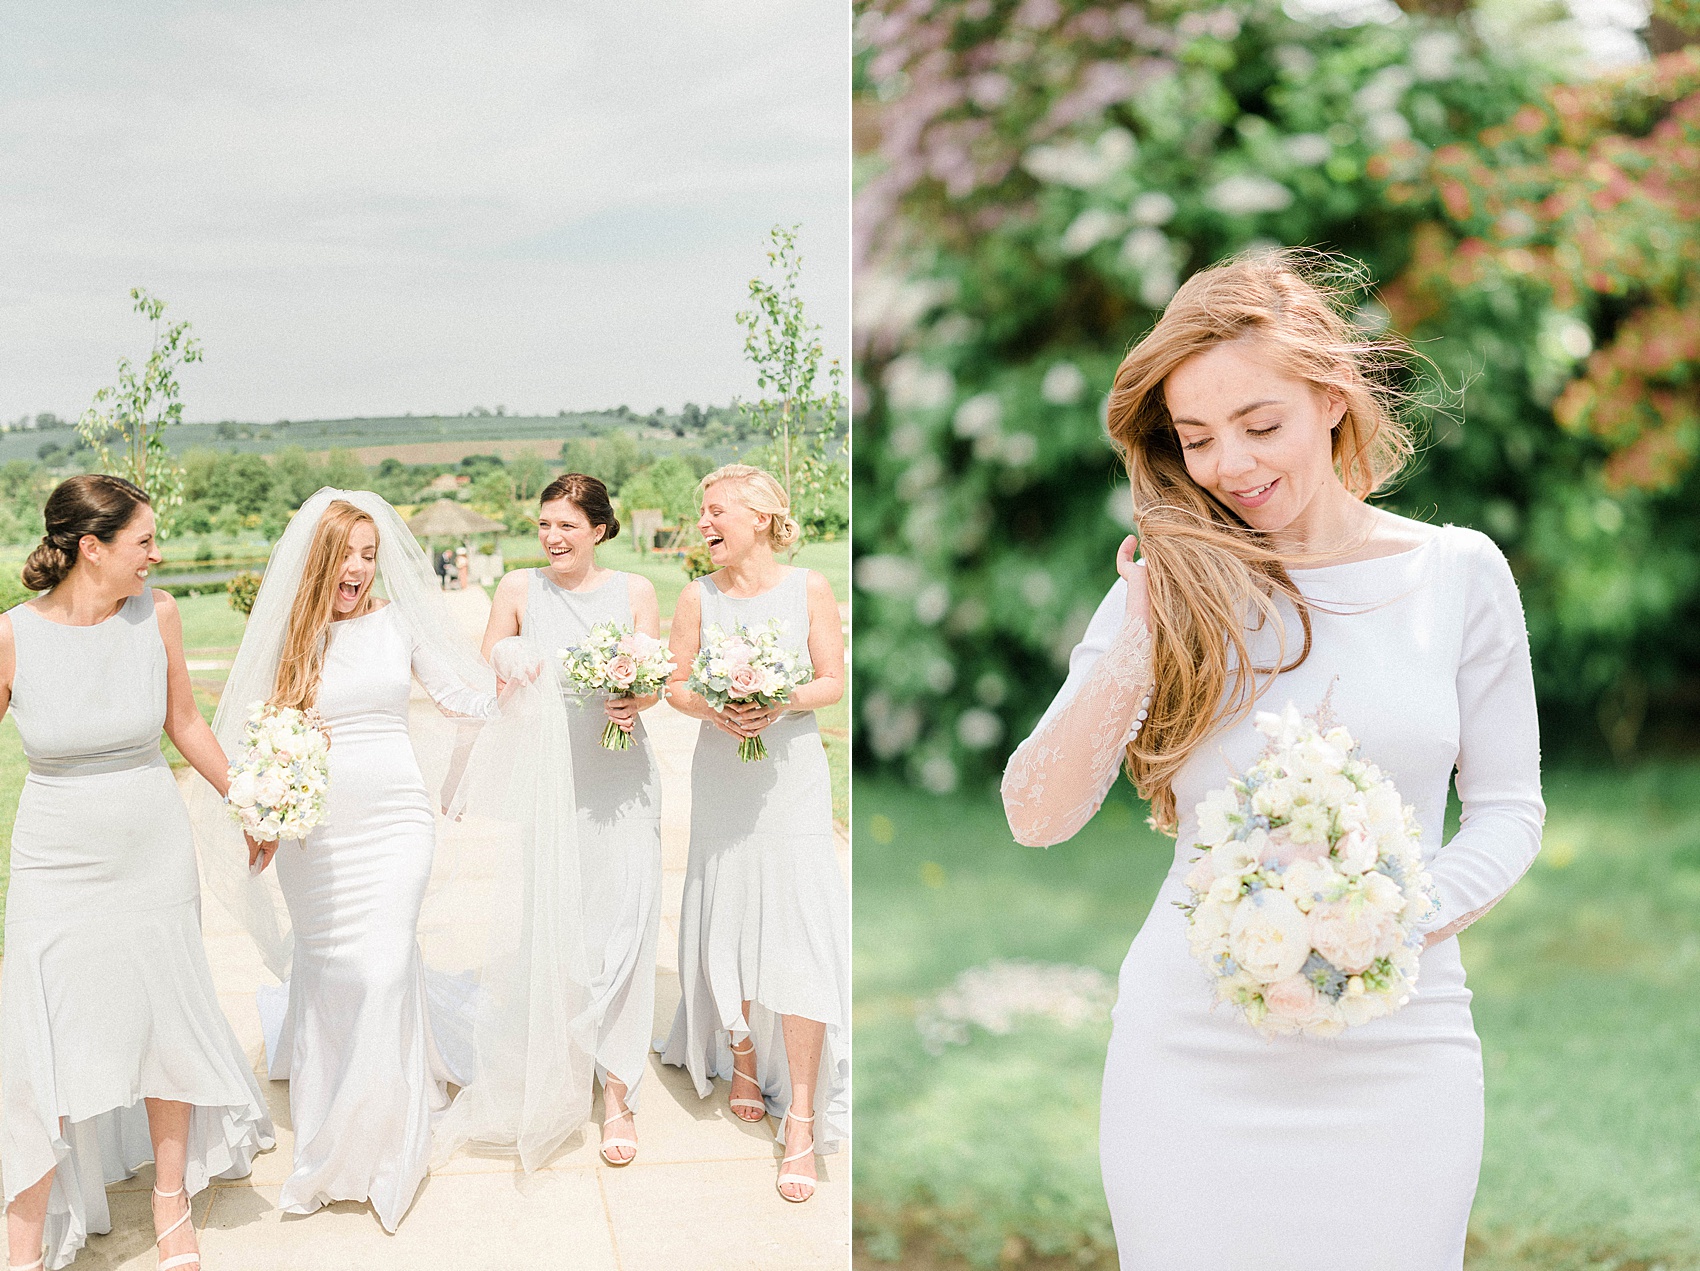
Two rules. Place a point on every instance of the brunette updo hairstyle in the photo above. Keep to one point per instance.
(589, 496)
(93, 503)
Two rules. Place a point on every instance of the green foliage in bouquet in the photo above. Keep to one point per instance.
(1558, 269)
(1045, 173)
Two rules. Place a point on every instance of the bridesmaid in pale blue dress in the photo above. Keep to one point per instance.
(764, 938)
(618, 791)
(115, 1051)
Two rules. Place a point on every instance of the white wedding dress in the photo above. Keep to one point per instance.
(367, 1033)
(367, 1062)
(1223, 1150)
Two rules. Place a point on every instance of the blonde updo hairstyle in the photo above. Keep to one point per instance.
(93, 503)
(761, 492)
(1210, 574)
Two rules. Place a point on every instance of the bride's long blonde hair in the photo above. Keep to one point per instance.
(303, 658)
(1210, 575)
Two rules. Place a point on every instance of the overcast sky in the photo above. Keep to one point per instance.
(377, 208)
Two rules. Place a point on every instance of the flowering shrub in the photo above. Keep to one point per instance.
(1559, 266)
(1044, 175)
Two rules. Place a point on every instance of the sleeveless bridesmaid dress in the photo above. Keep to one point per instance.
(619, 826)
(106, 997)
(765, 915)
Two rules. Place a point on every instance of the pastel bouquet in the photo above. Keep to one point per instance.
(1305, 904)
(620, 662)
(280, 778)
(747, 664)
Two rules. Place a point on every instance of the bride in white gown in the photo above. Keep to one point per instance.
(1254, 434)
(369, 1039)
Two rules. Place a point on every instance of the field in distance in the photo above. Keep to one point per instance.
(409, 438)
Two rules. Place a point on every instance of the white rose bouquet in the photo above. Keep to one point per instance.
(1305, 904)
(280, 778)
(620, 662)
(748, 664)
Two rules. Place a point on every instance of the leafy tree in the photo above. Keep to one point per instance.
(135, 412)
(786, 351)
(529, 474)
(343, 471)
(612, 460)
(669, 484)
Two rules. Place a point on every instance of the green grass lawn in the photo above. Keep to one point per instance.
(1589, 1022)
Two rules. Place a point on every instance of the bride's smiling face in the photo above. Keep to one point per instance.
(1259, 440)
(359, 567)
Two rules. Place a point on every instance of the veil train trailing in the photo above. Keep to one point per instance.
(504, 908)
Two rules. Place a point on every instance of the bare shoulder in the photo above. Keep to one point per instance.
(819, 588)
(514, 583)
(165, 605)
(642, 586)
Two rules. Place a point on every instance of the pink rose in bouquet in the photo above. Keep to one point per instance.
(623, 671)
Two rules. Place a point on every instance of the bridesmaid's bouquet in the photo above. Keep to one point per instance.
(620, 662)
(1305, 904)
(747, 664)
(281, 777)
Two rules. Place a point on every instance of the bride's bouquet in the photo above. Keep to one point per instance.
(747, 664)
(281, 776)
(620, 662)
(1305, 904)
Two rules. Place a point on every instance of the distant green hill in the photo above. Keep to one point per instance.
(361, 434)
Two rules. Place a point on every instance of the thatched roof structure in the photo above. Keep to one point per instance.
(447, 519)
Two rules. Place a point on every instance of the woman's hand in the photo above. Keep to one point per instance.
(259, 854)
(1130, 567)
(623, 711)
(753, 717)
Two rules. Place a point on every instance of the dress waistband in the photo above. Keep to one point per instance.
(142, 756)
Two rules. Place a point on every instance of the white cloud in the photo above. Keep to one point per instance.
(380, 208)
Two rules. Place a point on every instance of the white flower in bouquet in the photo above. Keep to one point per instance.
(280, 778)
(1306, 899)
(747, 664)
(616, 661)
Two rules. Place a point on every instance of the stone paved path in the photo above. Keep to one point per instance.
(699, 1196)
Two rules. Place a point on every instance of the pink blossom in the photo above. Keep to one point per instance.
(1293, 1000)
(1350, 934)
(746, 681)
(1281, 850)
(622, 671)
(738, 653)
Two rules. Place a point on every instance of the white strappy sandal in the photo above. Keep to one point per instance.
(785, 1176)
(631, 1143)
(26, 1266)
(182, 1259)
(757, 1104)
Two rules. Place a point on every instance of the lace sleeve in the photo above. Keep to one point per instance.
(452, 695)
(1057, 779)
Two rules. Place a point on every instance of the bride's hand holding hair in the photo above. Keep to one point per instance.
(1131, 566)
